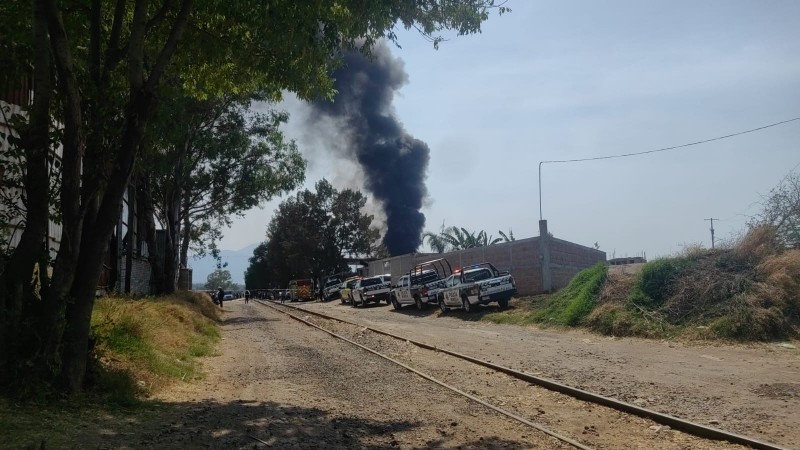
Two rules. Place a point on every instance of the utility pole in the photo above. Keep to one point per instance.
(712, 230)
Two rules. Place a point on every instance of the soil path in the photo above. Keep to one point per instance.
(276, 383)
(293, 387)
(750, 389)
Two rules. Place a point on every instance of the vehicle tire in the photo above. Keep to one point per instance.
(395, 304)
(466, 304)
(442, 306)
(503, 303)
(418, 302)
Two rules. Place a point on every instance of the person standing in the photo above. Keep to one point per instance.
(246, 296)
(220, 296)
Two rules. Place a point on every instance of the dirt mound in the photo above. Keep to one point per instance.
(749, 292)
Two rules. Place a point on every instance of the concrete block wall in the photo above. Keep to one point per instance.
(567, 259)
(522, 258)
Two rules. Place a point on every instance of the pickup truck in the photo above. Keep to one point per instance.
(346, 289)
(420, 286)
(332, 288)
(475, 285)
(372, 289)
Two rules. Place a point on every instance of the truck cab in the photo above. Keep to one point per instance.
(372, 289)
(421, 284)
(474, 285)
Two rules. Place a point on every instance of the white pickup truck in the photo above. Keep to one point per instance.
(372, 289)
(332, 288)
(475, 285)
(420, 286)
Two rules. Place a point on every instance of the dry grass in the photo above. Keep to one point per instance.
(750, 291)
(144, 344)
(758, 244)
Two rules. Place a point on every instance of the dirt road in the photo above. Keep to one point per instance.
(292, 387)
(275, 383)
(749, 389)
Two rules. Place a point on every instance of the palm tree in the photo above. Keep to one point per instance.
(436, 241)
(508, 237)
(461, 238)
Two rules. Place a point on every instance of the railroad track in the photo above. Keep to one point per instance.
(685, 426)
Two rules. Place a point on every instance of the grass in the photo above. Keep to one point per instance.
(572, 304)
(654, 283)
(139, 347)
(749, 291)
(143, 345)
(568, 307)
(523, 311)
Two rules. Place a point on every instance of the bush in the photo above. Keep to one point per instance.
(653, 284)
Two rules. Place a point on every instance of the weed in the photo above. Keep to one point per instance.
(653, 285)
(142, 345)
(572, 304)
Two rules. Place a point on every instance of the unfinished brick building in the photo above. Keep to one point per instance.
(538, 264)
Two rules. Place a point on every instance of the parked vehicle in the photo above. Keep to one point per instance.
(475, 285)
(300, 290)
(346, 289)
(420, 286)
(372, 289)
(228, 295)
(332, 288)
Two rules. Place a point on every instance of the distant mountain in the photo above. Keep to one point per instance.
(237, 263)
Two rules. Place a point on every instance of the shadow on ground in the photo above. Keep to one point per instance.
(245, 320)
(477, 314)
(238, 425)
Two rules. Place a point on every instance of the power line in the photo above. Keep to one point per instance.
(595, 158)
(672, 148)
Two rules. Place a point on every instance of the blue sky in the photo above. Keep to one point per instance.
(564, 80)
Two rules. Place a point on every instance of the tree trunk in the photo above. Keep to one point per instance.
(144, 196)
(131, 244)
(171, 242)
(95, 243)
(186, 233)
(16, 300)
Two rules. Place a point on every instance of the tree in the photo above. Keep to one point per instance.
(220, 278)
(781, 210)
(507, 237)
(436, 241)
(210, 160)
(461, 238)
(257, 275)
(312, 232)
(110, 59)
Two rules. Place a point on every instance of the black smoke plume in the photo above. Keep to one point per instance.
(395, 164)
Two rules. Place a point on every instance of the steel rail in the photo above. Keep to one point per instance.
(502, 411)
(686, 426)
